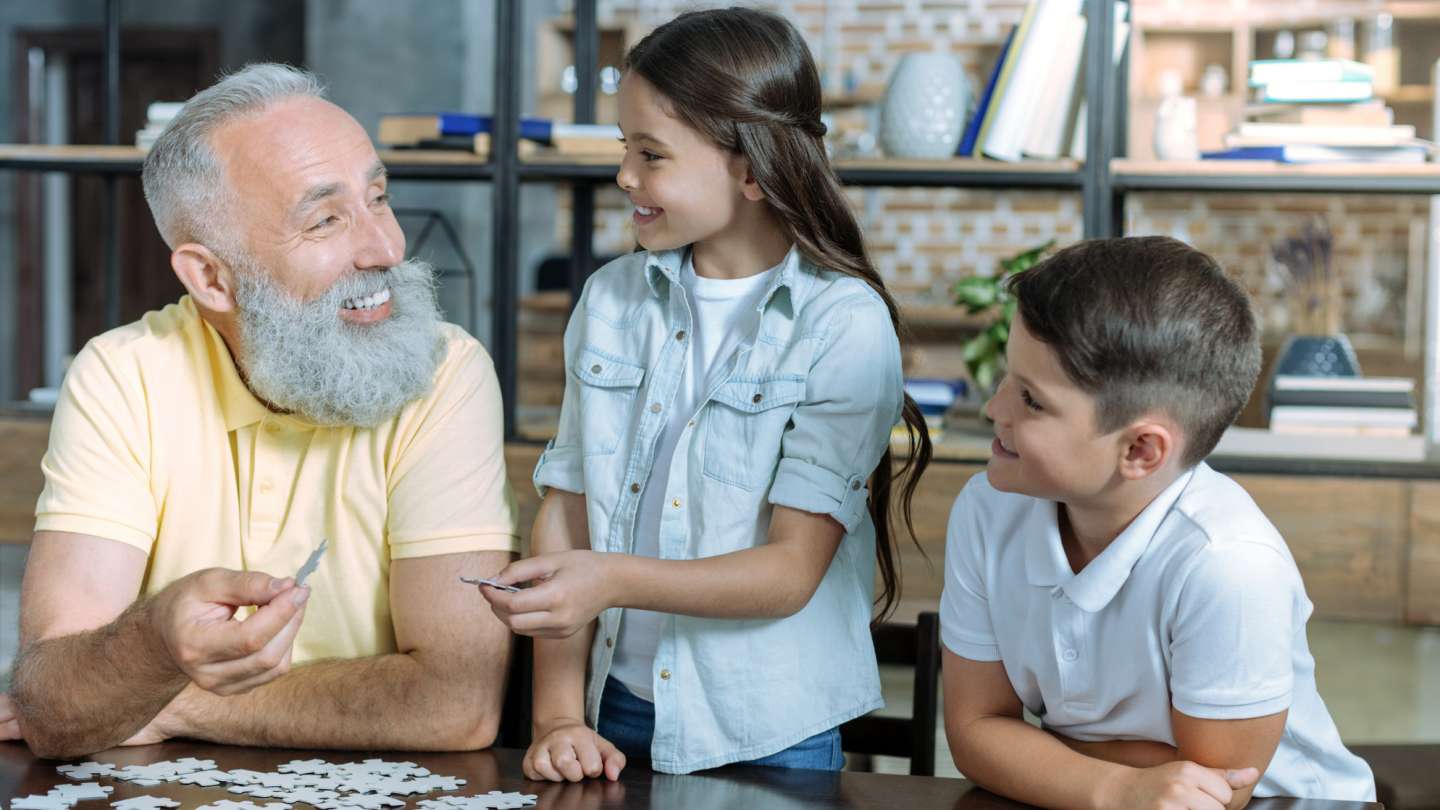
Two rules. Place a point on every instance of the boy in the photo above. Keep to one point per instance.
(1102, 576)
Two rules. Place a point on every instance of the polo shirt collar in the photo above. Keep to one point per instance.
(238, 406)
(796, 275)
(1093, 588)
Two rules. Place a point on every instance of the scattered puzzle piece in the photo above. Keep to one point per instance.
(145, 803)
(86, 770)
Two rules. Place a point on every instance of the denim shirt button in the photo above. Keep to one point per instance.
(680, 335)
(855, 486)
(756, 399)
(609, 642)
(664, 674)
(635, 488)
(655, 407)
(596, 369)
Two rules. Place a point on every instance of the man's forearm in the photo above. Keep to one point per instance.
(1015, 759)
(383, 702)
(89, 691)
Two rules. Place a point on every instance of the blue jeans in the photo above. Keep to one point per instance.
(629, 722)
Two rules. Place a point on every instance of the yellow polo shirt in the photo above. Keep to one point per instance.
(158, 444)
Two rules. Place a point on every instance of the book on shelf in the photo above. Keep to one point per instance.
(982, 107)
(1313, 153)
(158, 115)
(410, 130)
(1311, 92)
(1371, 113)
(1270, 71)
(1311, 382)
(1059, 99)
(1344, 399)
(1304, 417)
(1005, 70)
(1269, 134)
(1021, 103)
(1238, 441)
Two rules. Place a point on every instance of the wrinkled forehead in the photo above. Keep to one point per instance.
(275, 158)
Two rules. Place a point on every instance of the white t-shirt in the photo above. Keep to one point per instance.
(726, 315)
(1198, 604)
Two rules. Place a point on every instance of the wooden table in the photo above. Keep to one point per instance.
(22, 774)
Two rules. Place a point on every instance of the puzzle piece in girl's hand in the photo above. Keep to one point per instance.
(478, 581)
(145, 803)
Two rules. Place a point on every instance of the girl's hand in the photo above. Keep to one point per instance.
(570, 589)
(565, 749)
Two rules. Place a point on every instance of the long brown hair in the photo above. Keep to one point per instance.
(745, 79)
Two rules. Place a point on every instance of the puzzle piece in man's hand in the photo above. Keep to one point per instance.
(86, 770)
(478, 581)
(311, 563)
(145, 803)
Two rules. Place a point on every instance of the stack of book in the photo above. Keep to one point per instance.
(1343, 406)
(470, 132)
(1033, 105)
(1319, 111)
(157, 117)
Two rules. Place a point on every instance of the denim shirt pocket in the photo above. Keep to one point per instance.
(745, 421)
(607, 387)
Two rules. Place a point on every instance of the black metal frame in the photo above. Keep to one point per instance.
(1102, 189)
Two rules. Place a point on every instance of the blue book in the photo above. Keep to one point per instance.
(1311, 153)
(972, 130)
(411, 129)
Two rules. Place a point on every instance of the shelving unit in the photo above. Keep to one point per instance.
(1103, 180)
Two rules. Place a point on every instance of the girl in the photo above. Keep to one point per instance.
(730, 394)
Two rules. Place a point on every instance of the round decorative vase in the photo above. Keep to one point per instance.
(924, 108)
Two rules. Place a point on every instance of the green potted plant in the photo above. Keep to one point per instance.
(985, 353)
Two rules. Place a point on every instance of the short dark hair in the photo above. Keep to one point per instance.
(1147, 323)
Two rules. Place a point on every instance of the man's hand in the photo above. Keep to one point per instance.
(1178, 786)
(565, 749)
(572, 588)
(194, 617)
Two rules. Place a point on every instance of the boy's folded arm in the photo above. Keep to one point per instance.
(994, 746)
(1135, 753)
(1230, 744)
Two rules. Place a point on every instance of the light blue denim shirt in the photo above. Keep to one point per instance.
(800, 420)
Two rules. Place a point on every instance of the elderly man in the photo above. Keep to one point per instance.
(305, 388)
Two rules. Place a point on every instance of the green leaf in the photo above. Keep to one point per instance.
(978, 348)
(984, 374)
(977, 293)
(1000, 331)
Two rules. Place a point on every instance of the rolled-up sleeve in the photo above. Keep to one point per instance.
(839, 431)
(561, 466)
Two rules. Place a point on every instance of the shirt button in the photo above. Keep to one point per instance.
(595, 369)
(609, 642)
(655, 407)
(680, 335)
(635, 488)
(675, 503)
(272, 428)
(691, 423)
(1070, 656)
(266, 486)
(664, 674)
(756, 399)
(855, 486)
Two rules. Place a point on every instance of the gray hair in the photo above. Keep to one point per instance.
(184, 181)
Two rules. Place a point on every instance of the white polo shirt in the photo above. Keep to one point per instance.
(1197, 604)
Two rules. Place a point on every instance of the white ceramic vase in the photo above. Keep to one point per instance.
(924, 108)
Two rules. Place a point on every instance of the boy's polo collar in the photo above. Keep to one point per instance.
(1092, 589)
(666, 264)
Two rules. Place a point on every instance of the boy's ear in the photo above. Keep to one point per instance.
(205, 276)
(1147, 446)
